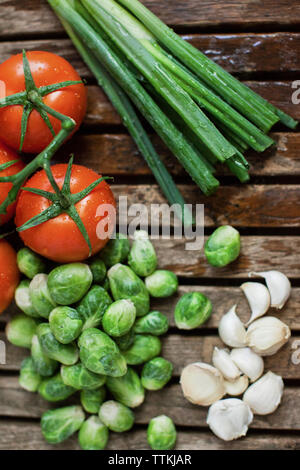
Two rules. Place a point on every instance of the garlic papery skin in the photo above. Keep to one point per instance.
(250, 363)
(264, 396)
(267, 335)
(202, 384)
(221, 360)
(229, 419)
(237, 387)
(279, 286)
(231, 330)
(258, 298)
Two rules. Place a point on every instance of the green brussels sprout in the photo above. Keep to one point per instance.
(29, 263)
(100, 354)
(116, 250)
(57, 425)
(223, 246)
(105, 284)
(23, 300)
(69, 283)
(116, 416)
(29, 378)
(128, 389)
(98, 269)
(119, 318)
(20, 330)
(53, 389)
(125, 284)
(93, 306)
(162, 283)
(42, 363)
(91, 400)
(79, 377)
(124, 342)
(154, 323)
(65, 353)
(65, 323)
(156, 373)
(161, 433)
(192, 310)
(144, 348)
(142, 257)
(40, 295)
(93, 434)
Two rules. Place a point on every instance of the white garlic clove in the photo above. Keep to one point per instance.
(231, 329)
(279, 286)
(229, 419)
(250, 363)
(267, 335)
(221, 360)
(202, 384)
(258, 298)
(237, 387)
(264, 396)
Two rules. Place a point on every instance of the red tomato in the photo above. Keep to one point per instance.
(46, 69)
(9, 274)
(59, 239)
(8, 155)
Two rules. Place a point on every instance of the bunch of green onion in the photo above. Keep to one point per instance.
(202, 113)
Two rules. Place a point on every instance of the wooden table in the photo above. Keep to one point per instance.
(259, 42)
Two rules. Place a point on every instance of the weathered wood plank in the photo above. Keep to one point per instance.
(16, 402)
(16, 435)
(15, 14)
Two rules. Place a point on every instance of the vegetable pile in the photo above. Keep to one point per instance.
(202, 113)
(90, 330)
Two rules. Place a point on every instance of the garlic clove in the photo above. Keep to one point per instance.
(279, 286)
(267, 335)
(229, 419)
(258, 298)
(221, 360)
(250, 363)
(202, 384)
(264, 396)
(231, 329)
(237, 387)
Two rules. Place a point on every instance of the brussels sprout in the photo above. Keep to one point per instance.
(68, 283)
(116, 251)
(53, 389)
(162, 283)
(91, 400)
(154, 323)
(98, 269)
(65, 353)
(119, 318)
(57, 425)
(223, 246)
(116, 416)
(161, 433)
(142, 257)
(128, 389)
(106, 285)
(100, 354)
(124, 342)
(29, 263)
(20, 330)
(144, 348)
(93, 434)
(40, 295)
(93, 306)
(29, 378)
(125, 284)
(192, 310)
(65, 323)
(156, 373)
(79, 377)
(23, 300)
(42, 363)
